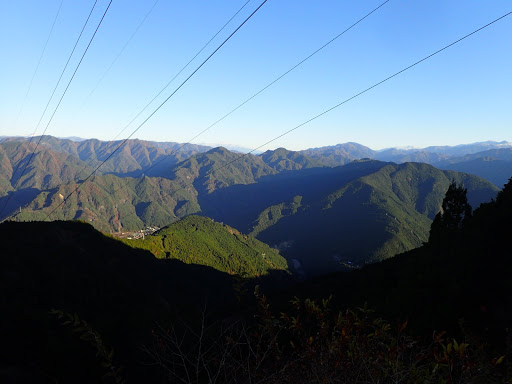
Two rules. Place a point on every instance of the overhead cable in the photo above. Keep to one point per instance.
(160, 106)
(122, 49)
(62, 97)
(58, 82)
(333, 107)
(168, 84)
(363, 91)
(39, 61)
(327, 110)
(270, 84)
(342, 102)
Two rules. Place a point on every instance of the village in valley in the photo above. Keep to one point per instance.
(140, 234)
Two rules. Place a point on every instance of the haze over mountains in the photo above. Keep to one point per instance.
(276, 196)
(490, 159)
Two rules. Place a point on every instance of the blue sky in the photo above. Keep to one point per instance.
(460, 96)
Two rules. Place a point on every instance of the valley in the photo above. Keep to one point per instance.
(325, 209)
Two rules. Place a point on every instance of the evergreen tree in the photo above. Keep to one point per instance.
(505, 193)
(455, 212)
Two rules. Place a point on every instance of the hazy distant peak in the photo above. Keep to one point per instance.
(73, 138)
(403, 148)
(220, 150)
(349, 144)
(277, 151)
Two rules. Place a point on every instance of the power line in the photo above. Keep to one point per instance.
(39, 62)
(257, 93)
(271, 83)
(186, 65)
(192, 59)
(46, 108)
(122, 50)
(339, 104)
(4, 140)
(30, 87)
(291, 69)
(63, 94)
(161, 105)
(56, 86)
(361, 93)
(169, 82)
(334, 107)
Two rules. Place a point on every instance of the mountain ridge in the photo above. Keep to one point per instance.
(276, 196)
(200, 240)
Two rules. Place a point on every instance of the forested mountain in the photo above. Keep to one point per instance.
(47, 168)
(457, 281)
(463, 149)
(340, 154)
(490, 159)
(282, 159)
(200, 240)
(112, 203)
(58, 164)
(401, 156)
(159, 158)
(435, 154)
(330, 218)
(134, 157)
(494, 165)
(219, 168)
(277, 196)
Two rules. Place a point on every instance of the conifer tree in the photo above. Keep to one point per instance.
(505, 192)
(455, 212)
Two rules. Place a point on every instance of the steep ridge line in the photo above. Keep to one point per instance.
(175, 76)
(168, 98)
(357, 95)
(354, 96)
(69, 83)
(253, 96)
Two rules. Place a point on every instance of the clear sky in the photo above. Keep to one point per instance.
(462, 95)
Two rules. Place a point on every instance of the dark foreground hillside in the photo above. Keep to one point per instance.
(460, 279)
(121, 292)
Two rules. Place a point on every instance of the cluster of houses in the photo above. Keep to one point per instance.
(143, 232)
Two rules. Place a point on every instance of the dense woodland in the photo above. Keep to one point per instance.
(200, 240)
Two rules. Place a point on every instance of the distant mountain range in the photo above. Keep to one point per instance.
(491, 160)
(156, 158)
(321, 216)
(133, 158)
(341, 153)
(494, 165)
